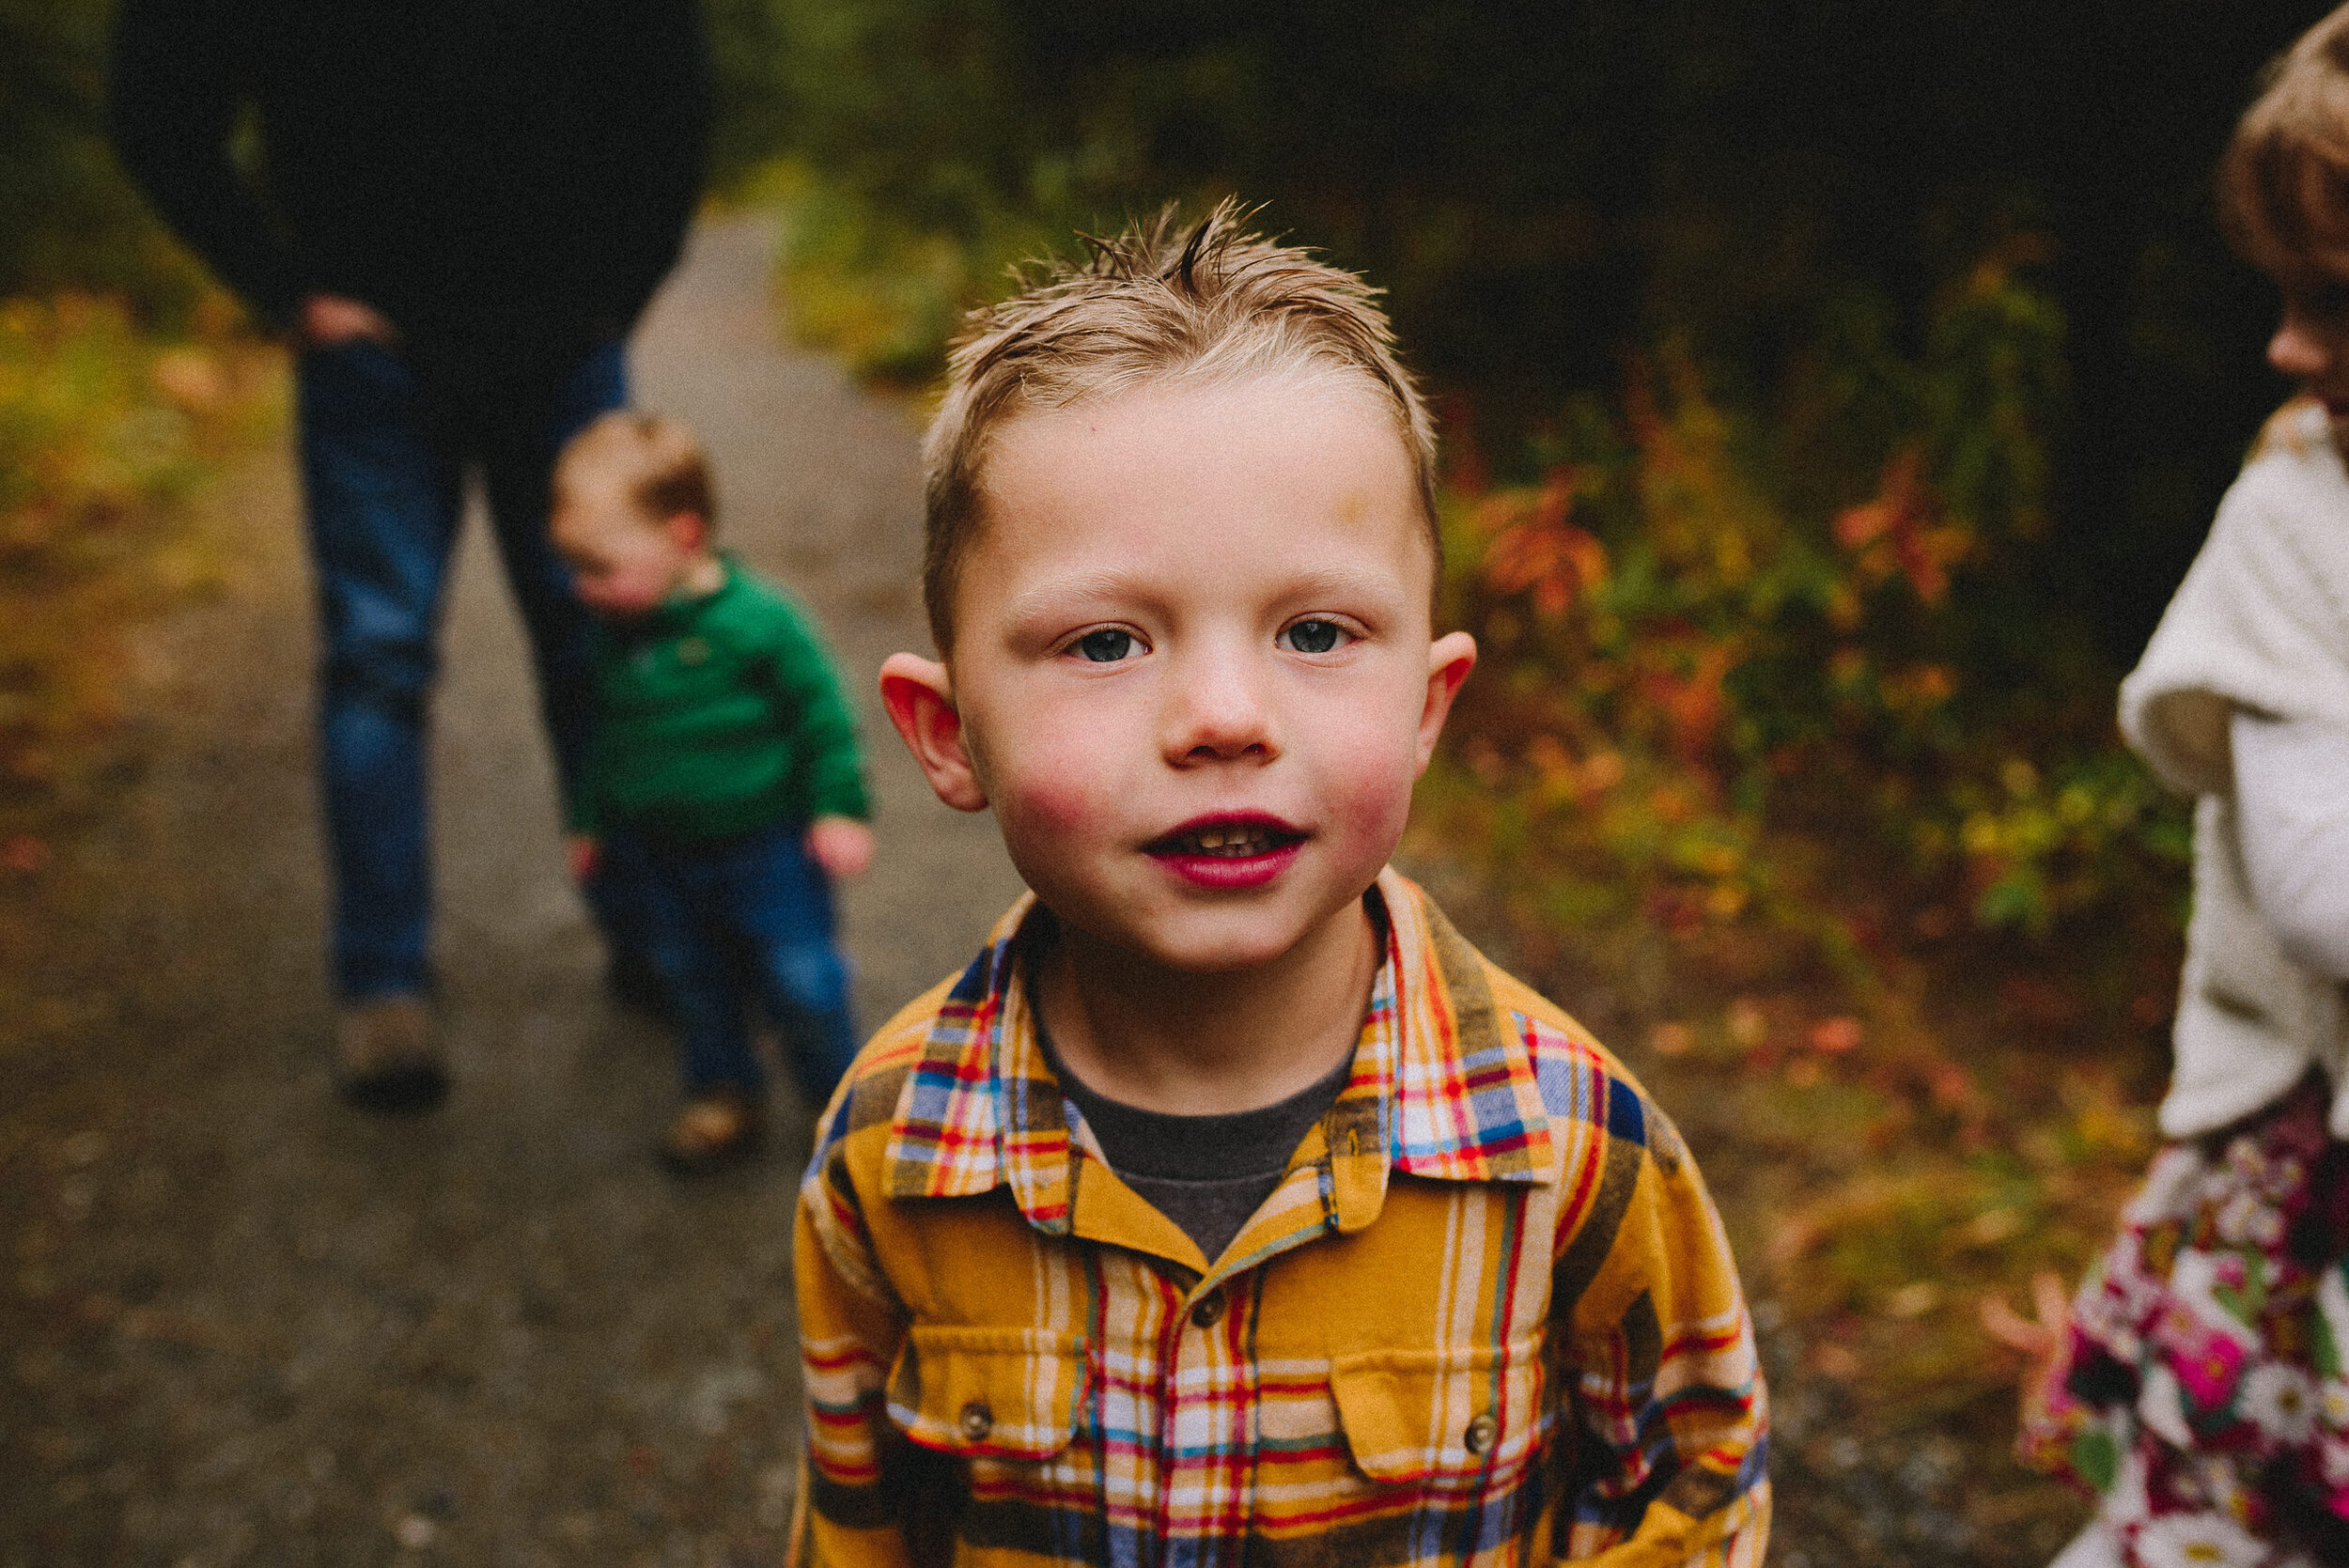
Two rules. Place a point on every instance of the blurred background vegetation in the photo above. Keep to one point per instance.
(1834, 394)
(123, 379)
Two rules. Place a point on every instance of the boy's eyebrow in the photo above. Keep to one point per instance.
(1043, 599)
(1051, 596)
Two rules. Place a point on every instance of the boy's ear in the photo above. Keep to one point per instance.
(688, 530)
(920, 697)
(1450, 658)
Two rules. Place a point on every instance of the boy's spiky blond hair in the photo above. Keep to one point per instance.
(2283, 184)
(1161, 303)
(657, 463)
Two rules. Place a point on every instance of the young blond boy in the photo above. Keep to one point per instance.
(722, 785)
(1230, 1208)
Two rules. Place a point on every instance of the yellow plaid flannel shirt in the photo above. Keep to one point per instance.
(1488, 1316)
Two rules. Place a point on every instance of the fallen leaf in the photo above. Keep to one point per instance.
(1834, 1037)
(1839, 1361)
(1913, 1300)
(1992, 1226)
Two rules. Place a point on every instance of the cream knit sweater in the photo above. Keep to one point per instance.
(2260, 624)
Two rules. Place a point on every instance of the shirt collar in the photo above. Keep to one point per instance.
(681, 609)
(1442, 1086)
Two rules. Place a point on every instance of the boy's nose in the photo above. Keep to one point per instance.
(1215, 713)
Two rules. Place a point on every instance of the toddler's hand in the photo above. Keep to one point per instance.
(2045, 1343)
(841, 845)
(330, 320)
(584, 854)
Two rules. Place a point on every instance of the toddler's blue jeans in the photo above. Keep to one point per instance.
(382, 466)
(737, 921)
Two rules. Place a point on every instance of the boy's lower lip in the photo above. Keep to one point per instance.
(1229, 871)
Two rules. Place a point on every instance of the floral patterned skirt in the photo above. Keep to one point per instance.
(2205, 1401)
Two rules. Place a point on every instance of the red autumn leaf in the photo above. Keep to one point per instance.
(1835, 1036)
(1893, 531)
(1556, 560)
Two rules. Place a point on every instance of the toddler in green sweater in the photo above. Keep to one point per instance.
(722, 790)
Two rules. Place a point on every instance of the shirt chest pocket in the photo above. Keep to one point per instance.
(989, 1393)
(1449, 1419)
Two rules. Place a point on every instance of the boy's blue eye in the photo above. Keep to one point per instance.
(1107, 646)
(1314, 636)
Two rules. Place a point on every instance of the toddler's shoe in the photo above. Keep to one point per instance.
(715, 1129)
(387, 1057)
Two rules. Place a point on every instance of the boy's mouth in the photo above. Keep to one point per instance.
(1228, 852)
(1229, 838)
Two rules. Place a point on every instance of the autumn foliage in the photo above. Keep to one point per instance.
(1732, 673)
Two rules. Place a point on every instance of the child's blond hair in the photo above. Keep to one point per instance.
(2283, 184)
(1158, 304)
(655, 463)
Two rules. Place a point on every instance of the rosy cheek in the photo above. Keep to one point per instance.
(1367, 787)
(1377, 814)
(1060, 802)
(1046, 788)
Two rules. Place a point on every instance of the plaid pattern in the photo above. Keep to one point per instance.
(1487, 1317)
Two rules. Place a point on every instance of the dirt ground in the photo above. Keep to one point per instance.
(242, 1324)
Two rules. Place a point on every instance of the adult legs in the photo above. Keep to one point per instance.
(383, 499)
(518, 449)
(517, 452)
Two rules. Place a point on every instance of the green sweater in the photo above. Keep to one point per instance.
(716, 717)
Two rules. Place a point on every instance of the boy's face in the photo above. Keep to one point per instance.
(1194, 673)
(623, 564)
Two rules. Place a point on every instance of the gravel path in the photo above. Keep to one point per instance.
(239, 1324)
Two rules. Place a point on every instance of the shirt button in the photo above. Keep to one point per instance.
(1480, 1435)
(1207, 1310)
(977, 1420)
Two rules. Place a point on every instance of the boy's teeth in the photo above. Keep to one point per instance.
(1232, 842)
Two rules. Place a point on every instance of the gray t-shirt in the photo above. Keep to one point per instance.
(1209, 1174)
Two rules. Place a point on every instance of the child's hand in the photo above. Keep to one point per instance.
(2045, 1343)
(584, 854)
(330, 320)
(841, 845)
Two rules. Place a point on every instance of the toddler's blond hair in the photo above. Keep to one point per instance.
(1158, 304)
(657, 465)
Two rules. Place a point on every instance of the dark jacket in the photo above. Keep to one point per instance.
(507, 180)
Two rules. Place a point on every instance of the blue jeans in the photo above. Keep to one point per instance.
(382, 467)
(743, 920)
